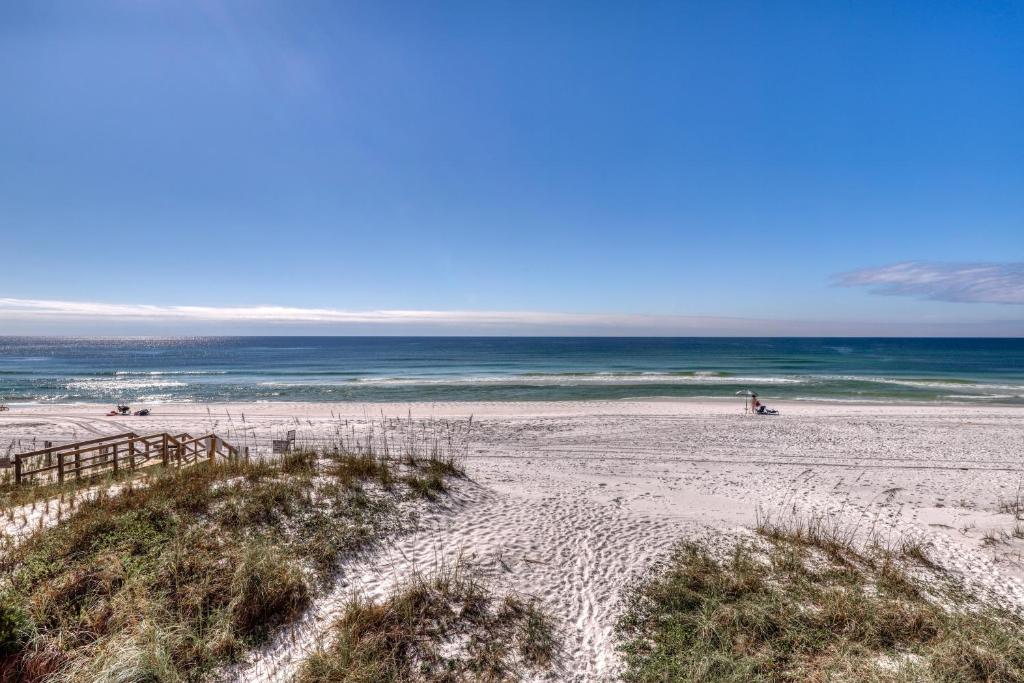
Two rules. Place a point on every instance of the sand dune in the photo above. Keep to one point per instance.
(572, 501)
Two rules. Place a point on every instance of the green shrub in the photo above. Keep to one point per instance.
(14, 625)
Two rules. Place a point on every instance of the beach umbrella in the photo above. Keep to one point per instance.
(746, 394)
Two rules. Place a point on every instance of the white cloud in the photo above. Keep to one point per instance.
(46, 316)
(995, 283)
(79, 310)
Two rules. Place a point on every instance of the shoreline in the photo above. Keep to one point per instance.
(703, 401)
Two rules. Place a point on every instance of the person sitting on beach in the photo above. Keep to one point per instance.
(760, 408)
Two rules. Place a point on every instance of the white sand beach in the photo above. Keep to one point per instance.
(571, 501)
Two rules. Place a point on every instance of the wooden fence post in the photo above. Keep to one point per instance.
(17, 468)
(212, 447)
(131, 453)
(164, 454)
(115, 459)
(60, 467)
(78, 464)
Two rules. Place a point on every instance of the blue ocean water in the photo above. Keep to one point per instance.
(219, 369)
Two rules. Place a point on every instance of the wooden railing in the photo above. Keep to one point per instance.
(115, 453)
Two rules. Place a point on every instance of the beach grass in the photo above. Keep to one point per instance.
(791, 605)
(170, 578)
(443, 627)
(14, 496)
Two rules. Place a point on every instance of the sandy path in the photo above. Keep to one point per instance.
(571, 501)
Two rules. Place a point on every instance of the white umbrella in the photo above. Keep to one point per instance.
(746, 394)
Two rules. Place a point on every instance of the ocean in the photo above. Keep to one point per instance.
(242, 369)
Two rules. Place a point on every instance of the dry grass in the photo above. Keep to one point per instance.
(1014, 507)
(13, 496)
(803, 603)
(443, 628)
(167, 581)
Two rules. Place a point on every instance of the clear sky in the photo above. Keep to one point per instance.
(630, 167)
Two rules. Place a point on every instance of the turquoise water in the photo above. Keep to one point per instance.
(219, 369)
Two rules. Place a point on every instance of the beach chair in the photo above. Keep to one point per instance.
(286, 444)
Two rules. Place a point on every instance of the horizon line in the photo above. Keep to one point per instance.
(53, 317)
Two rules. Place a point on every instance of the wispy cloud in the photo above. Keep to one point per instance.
(994, 283)
(44, 316)
(45, 309)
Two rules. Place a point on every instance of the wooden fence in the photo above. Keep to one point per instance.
(115, 453)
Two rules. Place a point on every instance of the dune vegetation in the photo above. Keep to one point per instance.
(446, 626)
(803, 602)
(171, 577)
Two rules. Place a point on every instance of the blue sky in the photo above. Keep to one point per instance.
(676, 167)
